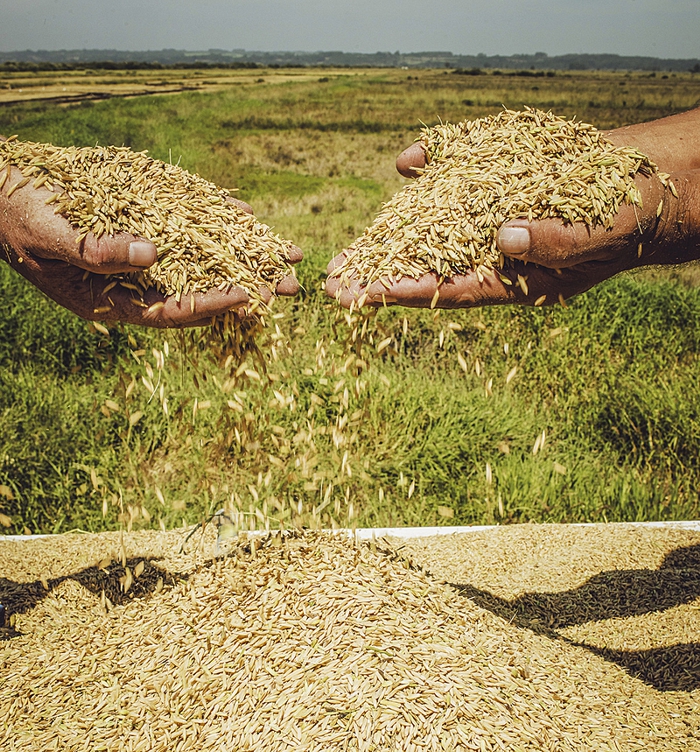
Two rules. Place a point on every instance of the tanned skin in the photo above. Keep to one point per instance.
(558, 260)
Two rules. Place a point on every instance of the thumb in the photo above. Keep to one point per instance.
(546, 242)
(110, 254)
(556, 244)
(31, 225)
(411, 159)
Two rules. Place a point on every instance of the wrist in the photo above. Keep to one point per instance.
(676, 236)
(6, 212)
(672, 143)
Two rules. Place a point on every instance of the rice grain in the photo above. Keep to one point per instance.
(482, 173)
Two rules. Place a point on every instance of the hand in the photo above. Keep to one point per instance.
(551, 261)
(42, 247)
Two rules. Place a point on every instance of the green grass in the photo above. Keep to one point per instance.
(611, 380)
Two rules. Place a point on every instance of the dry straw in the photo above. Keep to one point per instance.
(484, 172)
(204, 240)
(308, 642)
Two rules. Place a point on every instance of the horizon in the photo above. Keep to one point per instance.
(667, 29)
(237, 57)
(329, 51)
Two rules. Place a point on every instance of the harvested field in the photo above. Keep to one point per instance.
(520, 638)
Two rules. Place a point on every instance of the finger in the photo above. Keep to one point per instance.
(344, 289)
(463, 291)
(67, 285)
(247, 208)
(548, 242)
(153, 309)
(288, 286)
(295, 255)
(191, 309)
(345, 292)
(336, 262)
(39, 231)
(517, 283)
(556, 244)
(332, 286)
(113, 254)
(411, 159)
(458, 292)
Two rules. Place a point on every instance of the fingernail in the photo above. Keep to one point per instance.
(141, 253)
(513, 240)
(295, 255)
(413, 157)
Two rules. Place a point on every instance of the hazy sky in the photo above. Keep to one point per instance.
(660, 28)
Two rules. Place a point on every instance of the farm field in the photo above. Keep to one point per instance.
(68, 86)
(601, 421)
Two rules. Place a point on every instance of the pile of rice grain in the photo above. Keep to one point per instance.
(484, 172)
(305, 642)
(204, 240)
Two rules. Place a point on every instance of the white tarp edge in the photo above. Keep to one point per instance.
(368, 533)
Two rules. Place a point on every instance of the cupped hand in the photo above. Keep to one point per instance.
(548, 260)
(518, 282)
(665, 229)
(44, 248)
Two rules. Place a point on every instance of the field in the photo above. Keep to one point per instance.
(600, 422)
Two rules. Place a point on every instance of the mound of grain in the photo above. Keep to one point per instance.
(484, 172)
(305, 642)
(204, 241)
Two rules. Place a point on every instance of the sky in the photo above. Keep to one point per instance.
(657, 28)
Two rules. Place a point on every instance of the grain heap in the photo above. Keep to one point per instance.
(204, 241)
(484, 172)
(308, 642)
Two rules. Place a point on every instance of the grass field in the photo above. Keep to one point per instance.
(610, 382)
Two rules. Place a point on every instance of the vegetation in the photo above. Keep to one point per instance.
(115, 59)
(600, 420)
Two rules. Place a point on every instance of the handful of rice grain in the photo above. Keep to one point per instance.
(484, 172)
(204, 240)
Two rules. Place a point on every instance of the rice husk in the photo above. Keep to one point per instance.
(309, 641)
